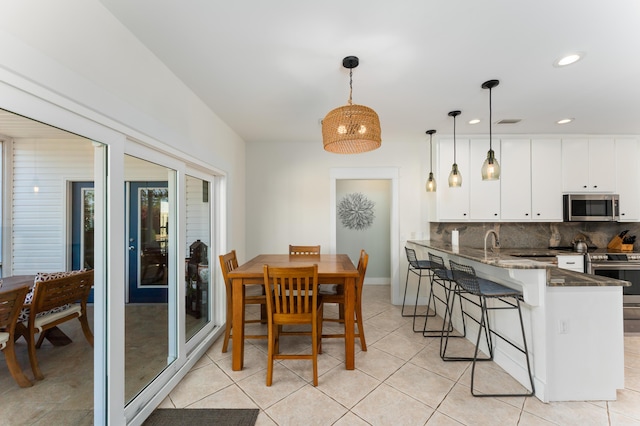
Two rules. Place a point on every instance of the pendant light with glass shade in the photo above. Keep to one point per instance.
(431, 182)
(455, 178)
(490, 167)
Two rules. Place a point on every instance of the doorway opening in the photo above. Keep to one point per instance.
(390, 175)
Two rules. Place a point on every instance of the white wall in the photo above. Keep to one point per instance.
(74, 52)
(288, 197)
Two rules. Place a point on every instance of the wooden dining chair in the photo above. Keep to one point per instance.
(294, 301)
(338, 297)
(57, 298)
(229, 262)
(10, 305)
(304, 250)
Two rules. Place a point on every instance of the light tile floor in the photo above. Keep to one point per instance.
(400, 380)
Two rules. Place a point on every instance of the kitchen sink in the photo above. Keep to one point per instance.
(516, 262)
(533, 255)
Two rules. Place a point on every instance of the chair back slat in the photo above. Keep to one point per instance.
(10, 305)
(362, 266)
(411, 257)
(61, 291)
(465, 277)
(294, 289)
(437, 262)
(304, 250)
(228, 262)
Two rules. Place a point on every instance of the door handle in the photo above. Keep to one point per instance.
(131, 248)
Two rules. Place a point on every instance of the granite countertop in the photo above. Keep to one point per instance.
(503, 258)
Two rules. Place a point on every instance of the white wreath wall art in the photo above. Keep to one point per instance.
(356, 211)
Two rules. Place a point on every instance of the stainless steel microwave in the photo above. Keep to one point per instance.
(591, 207)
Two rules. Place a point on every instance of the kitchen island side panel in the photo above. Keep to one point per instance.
(586, 343)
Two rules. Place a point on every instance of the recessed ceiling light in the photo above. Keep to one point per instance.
(569, 59)
(474, 121)
(564, 121)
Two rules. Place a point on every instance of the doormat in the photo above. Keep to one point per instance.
(202, 417)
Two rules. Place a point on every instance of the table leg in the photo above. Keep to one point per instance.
(349, 315)
(237, 335)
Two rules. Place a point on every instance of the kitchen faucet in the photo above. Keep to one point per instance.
(496, 243)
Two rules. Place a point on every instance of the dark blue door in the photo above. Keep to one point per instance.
(148, 242)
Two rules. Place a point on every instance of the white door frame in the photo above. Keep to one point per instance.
(390, 173)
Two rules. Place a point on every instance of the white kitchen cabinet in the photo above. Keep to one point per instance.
(587, 165)
(546, 172)
(453, 203)
(531, 171)
(515, 190)
(484, 195)
(572, 262)
(627, 178)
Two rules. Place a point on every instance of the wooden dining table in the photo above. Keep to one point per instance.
(332, 269)
(10, 283)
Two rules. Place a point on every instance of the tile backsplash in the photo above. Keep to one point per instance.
(534, 235)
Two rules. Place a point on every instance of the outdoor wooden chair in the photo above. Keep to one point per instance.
(10, 305)
(55, 301)
(229, 262)
(294, 301)
(338, 297)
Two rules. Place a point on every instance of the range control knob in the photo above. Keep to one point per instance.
(599, 257)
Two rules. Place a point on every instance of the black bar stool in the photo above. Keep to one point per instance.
(441, 276)
(467, 282)
(421, 268)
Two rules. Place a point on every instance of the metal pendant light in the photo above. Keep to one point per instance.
(431, 182)
(455, 178)
(351, 129)
(490, 167)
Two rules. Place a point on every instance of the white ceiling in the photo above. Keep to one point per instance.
(273, 69)
(16, 126)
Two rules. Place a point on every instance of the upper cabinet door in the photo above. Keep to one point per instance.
(588, 165)
(575, 165)
(515, 185)
(602, 163)
(453, 203)
(546, 172)
(485, 194)
(627, 178)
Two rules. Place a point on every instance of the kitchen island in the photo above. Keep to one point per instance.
(573, 323)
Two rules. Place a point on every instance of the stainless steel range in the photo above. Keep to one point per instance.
(622, 266)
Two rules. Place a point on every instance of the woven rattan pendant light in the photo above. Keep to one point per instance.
(431, 182)
(352, 128)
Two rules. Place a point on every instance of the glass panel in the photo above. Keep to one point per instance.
(88, 206)
(153, 236)
(197, 255)
(39, 240)
(148, 334)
